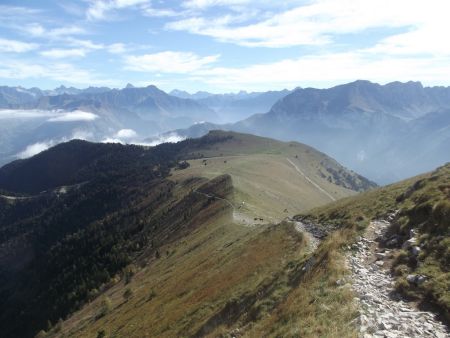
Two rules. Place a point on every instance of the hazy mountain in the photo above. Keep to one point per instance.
(13, 96)
(233, 107)
(387, 132)
(19, 97)
(185, 95)
(371, 128)
(40, 119)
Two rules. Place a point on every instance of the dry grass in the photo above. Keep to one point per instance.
(268, 184)
(177, 294)
(316, 306)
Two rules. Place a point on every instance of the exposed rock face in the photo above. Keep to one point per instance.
(383, 312)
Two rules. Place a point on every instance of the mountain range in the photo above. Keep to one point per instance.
(34, 119)
(233, 107)
(386, 132)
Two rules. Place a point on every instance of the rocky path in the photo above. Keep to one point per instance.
(314, 234)
(383, 313)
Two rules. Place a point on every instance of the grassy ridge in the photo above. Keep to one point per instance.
(424, 206)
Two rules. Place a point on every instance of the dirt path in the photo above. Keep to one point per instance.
(310, 180)
(238, 217)
(383, 312)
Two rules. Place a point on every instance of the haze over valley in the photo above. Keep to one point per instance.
(362, 124)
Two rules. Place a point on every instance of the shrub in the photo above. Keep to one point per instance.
(441, 212)
(105, 307)
(127, 294)
(129, 272)
(151, 295)
(101, 333)
(401, 270)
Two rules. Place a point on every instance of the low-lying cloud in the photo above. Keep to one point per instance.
(74, 116)
(126, 134)
(38, 147)
(49, 115)
(123, 136)
(9, 114)
(34, 149)
(165, 138)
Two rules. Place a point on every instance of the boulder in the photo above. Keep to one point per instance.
(415, 250)
(409, 243)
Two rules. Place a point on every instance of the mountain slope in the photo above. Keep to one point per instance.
(41, 119)
(417, 241)
(77, 215)
(272, 178)
(363, 125)
(210, 287)
(233, 107)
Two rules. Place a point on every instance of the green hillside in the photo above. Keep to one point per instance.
(225, 279)
(79, 219)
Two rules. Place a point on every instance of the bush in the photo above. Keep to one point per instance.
(101, 333)
(129, 272)
(151, 295)
(105, 307)
(441, 212)
(401, 270)
(127, 294)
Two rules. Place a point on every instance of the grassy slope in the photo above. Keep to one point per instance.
(196, 278)
(225, 276)
(264, 180)
(424, 204)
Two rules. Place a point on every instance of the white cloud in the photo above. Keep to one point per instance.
(160, 12)
(327, 69)
(74, 116)
(63, 72)
(34, 149)
(7, 114)
(37, 30)
(15, 46)
(317, 22)
(126, 134)
(166, 138)
(82, 135)
(64, 53)
(100, 9)
(202, 4)
(117, 48)
(87, 44)
(169, 62)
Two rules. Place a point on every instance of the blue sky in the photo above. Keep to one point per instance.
(223, 45)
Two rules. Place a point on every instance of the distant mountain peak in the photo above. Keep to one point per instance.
(129, 85)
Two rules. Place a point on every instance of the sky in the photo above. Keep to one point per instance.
(223, 45)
